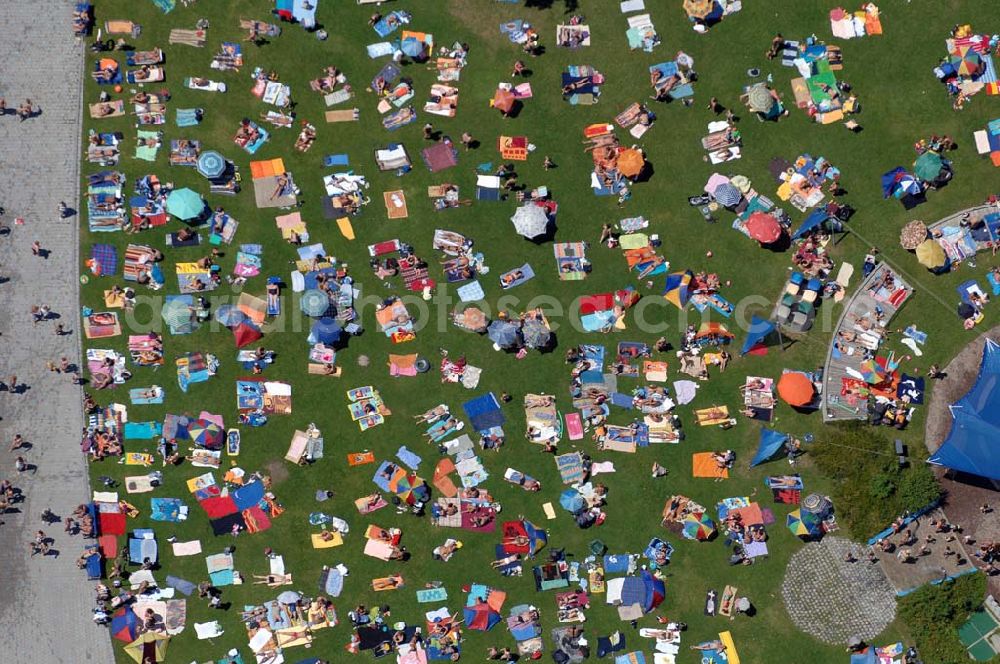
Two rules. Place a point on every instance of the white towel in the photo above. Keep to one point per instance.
(191, 548)
(212, 629)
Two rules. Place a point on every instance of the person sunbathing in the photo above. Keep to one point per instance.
(572, 87)
(281, 185)
(272, 580)
(389, 583)
(102, 380)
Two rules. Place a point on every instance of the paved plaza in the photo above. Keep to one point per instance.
(47, 601)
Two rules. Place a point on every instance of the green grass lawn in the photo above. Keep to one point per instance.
(902, 102)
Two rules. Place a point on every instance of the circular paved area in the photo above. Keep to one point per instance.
(834, 600)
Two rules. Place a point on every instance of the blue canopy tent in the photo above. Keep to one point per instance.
(970, 446)
(758, 332)
(816, 219)
(770, 445)
(645, 590)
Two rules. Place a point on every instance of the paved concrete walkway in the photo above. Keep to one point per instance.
(46, 604)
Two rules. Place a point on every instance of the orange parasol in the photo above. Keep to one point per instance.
(796, 389)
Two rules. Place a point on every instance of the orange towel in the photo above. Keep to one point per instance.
(703, 465)
(441, 481)
(750, 515)
(266, 168)
(360, 458)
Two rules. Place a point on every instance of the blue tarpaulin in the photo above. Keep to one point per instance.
(484, 412)
(970, 446)
(759, 329)
(771, 443)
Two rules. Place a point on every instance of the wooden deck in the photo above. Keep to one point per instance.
(835, 408)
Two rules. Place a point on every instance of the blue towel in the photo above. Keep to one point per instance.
(184, 587)
(408, 457)
(621, 400)
(224, 577)
(471, 292)
(143, 430)
(248, 495)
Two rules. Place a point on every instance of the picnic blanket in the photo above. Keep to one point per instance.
(571, 260)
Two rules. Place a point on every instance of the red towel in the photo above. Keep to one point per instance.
(218, 506)
(110, 523)
(109, 546)
(256, 519)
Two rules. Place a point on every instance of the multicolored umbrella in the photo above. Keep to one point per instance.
(872, 372)
(697, 527)
(411, 489)
(763, 227)
(913, 234)
(803, 524)
(677, 289)
(205, 434)
(966, 61)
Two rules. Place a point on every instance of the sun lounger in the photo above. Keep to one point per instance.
(204, 85)
(154, 75)
(138, 58)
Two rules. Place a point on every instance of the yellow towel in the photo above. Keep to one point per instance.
(319, 543)
(727, 640)
(190, 268)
